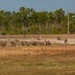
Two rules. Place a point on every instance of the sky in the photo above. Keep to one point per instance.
(38, 5)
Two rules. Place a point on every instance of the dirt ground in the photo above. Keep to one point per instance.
(69, 36)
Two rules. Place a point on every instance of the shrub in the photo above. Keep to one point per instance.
(48, 43)
(34, 43)
(16, 40)
(13, 43)
(3, 43)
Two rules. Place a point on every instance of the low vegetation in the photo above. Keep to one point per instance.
(14, 43)
(41, 60)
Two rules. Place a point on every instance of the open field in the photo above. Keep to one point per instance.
(37, 60)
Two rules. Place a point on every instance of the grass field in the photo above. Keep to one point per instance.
(44, 60)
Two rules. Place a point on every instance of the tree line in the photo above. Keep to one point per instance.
(29, 21)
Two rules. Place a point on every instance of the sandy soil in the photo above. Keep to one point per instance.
(69, 36)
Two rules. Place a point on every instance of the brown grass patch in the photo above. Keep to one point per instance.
(36, 50)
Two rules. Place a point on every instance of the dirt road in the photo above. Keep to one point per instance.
(69, 36)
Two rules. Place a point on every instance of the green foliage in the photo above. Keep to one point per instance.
(28, 21)
(72, 28)
(34, 29)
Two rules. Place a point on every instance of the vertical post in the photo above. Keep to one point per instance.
(68, 24)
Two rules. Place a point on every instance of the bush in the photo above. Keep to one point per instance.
(3, 34)
(48, 43)
(13, 43)
(34, 43)
(3, 43)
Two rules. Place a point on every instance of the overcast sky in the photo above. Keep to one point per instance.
(38, 5)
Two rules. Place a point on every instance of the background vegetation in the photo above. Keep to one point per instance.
(28, 21)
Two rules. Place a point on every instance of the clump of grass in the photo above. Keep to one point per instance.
(16, 40)
(3, 43)
(23, 43)
(13, 43)
(48, 43)
(34, 43)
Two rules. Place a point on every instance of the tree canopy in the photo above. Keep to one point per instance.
(29, 21)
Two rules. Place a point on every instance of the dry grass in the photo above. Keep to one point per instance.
(37, 60)
(35, 50)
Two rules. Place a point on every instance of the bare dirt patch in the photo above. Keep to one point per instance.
(69, 36)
